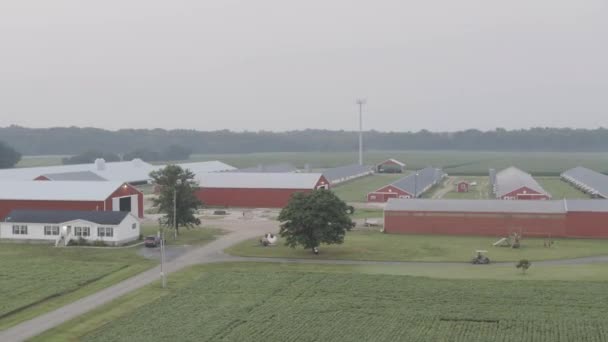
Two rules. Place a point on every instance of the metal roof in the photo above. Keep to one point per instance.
(420, 181)
(125, 171)
(57, 191)
(340, 173)
(74, 176)
(591, 181)
(498, 206)
(62, 216)
(270, 168)
(481, 206)
(206, 167)
(392, 161)
(512, 178)
(251, 180)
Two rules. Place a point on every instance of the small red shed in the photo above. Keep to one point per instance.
(462, 186)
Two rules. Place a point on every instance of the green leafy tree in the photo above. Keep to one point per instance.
(176, 183)
(9, 157)
(523, 264)
(310, 219)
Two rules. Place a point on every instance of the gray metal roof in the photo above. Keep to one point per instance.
(420, 181)
(270, 168)
(498, 206)
(512, 178)
(591, 181)
(62, 216)
(74, 176)
(341, 173)
(251, 180)
(57, 191)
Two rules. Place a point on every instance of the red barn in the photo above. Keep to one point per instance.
(515, 184)
(410, 186)
(390, 166)
(255, 190)
(75, 195)
(462, 186)
(569, 218)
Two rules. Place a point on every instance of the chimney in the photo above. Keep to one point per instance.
(137, 162)
(100, 164)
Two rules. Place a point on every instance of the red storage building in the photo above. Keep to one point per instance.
(566, 218)
(255, 190)
(73, 195)
(515, 184)
(462, 186)
(411, 186)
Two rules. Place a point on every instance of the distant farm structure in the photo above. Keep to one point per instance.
(588, 181)
(411, 186)
(390, 166)
(515, 184)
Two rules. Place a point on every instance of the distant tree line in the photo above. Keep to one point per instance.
(138, 142)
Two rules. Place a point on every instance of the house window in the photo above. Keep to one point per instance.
(105, 231)
(134, 226)
(51, 230)
(82, 231)
(19, 229)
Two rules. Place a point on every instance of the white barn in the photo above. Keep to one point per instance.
(61, 226)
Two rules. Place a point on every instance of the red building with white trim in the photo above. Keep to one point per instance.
(74, 195)
(462, 186)
(255, 190)
(565, 218)
(515, 184)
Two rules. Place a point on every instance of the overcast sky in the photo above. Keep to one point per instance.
(281, 65)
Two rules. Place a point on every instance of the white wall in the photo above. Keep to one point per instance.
(124, 232)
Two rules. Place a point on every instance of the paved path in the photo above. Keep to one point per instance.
(211, 252)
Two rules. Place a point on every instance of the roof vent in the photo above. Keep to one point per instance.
(100, 164)
(137, 162)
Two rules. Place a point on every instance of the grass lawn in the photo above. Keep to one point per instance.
(373, 245)
(278, 302)
(364, 213)
(560, 189)
(70, 273)
(187, 236)
(357, 190)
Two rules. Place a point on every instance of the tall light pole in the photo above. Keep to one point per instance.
(361, 102)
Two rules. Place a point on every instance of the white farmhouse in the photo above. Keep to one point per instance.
(61, 226)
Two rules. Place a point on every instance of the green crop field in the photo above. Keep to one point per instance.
(34, 161)
(373, 245)
(69, 273)
(255, 302)
(357, 190)
(35, 277)
(453, 162)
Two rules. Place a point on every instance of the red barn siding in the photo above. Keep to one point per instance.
(42, 178)
(246, 198)
(525, 193)
(463, 187)
(127, 190)
(385, 193)
(587, 224)
(570, 225)
(6, 206)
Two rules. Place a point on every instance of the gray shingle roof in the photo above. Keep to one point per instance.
(61, 216)
(590, 181)
(420, 181)
(498, 206)
(75, 176)
(512, 178)
(270, 168)
(342, 173)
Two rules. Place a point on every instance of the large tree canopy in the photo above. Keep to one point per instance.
(9, 157)
(177, 187)
(310, 219)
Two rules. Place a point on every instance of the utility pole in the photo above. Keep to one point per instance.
(361, 102)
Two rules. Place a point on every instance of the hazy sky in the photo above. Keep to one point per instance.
(279, 65)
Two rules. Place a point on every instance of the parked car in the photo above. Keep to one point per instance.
(152, 241)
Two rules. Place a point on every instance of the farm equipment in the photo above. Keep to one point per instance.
(513, 241)
(268, 240)
(371, 223)
(480, 258)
